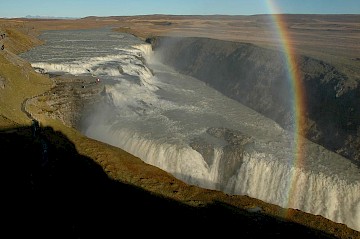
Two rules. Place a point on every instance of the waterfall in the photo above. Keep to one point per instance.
(155, 113)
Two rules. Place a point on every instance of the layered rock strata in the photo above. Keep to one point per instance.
(259, 78)
(71, 98)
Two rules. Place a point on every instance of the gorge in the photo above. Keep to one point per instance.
(178, 124)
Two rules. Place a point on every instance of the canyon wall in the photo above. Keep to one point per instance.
(259, 78)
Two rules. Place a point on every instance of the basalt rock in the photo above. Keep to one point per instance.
(232, 153)
(259, 78)
(71, 98)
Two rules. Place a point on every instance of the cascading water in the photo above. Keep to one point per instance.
(182, 126)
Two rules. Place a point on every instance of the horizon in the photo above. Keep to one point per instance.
(108, 8)
(155, 14)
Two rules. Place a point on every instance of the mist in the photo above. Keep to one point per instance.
(164, 107)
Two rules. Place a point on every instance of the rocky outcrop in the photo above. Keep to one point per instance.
(233, 148)
(70, 99)
(233, 151)
(258, 78)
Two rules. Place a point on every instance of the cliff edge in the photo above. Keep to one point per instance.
(259, 78)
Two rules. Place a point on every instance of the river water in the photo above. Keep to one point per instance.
(181, 125)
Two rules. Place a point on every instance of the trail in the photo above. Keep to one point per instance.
(23, 107)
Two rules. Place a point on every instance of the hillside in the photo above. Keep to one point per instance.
(59, 183)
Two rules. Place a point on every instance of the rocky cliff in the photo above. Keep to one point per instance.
(85, 183)
(258, 78)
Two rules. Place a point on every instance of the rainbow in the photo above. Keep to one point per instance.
(294, 77)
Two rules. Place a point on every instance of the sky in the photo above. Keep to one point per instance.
(83, 8)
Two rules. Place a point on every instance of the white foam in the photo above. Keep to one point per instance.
(120, 64)
(313, 192)
(155, 118)
(327, 184)
(260, 175)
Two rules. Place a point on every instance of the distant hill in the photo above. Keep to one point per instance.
(61, 184)
(48, 17)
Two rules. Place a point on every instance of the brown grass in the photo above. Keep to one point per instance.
(22, 83)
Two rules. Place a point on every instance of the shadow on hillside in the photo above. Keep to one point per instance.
(49, 190)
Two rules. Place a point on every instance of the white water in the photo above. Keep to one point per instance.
(156, 117)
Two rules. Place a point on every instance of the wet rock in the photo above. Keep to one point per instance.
(72, 97)
(232, 151)
(258, 78)
(205, 148)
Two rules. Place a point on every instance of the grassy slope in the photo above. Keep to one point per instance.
(21, 82)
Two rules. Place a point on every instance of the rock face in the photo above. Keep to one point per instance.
(71, 98)
(232, 152)
(258, 78)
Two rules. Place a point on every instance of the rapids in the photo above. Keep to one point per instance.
(183, 126)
